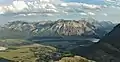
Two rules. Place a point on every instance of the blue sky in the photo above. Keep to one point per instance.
(5, 1)
(87, 1)
(83, 1)
(59, 9)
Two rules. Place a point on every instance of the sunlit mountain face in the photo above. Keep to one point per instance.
(36, 10)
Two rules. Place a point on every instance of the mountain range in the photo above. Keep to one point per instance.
(61, 27)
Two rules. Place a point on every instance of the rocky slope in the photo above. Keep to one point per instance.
(74, 59)
(61, 27)
(21, 29)
(71, 27)
(106, 50)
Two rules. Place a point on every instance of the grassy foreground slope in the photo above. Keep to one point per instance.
(23, 53)
(36, 53)
(19, 50)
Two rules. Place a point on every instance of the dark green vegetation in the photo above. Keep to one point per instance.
(43, 54)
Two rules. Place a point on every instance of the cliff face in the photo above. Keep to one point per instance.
(106, 50)
(69, 28)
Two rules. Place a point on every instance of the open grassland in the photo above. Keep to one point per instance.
(26, 53)
(22, 53)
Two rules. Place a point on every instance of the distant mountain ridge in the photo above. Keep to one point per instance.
(56, 28)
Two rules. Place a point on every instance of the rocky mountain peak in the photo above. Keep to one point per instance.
(60, 27)
(72, 27)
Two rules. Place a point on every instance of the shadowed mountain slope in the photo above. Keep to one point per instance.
(106, 50)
